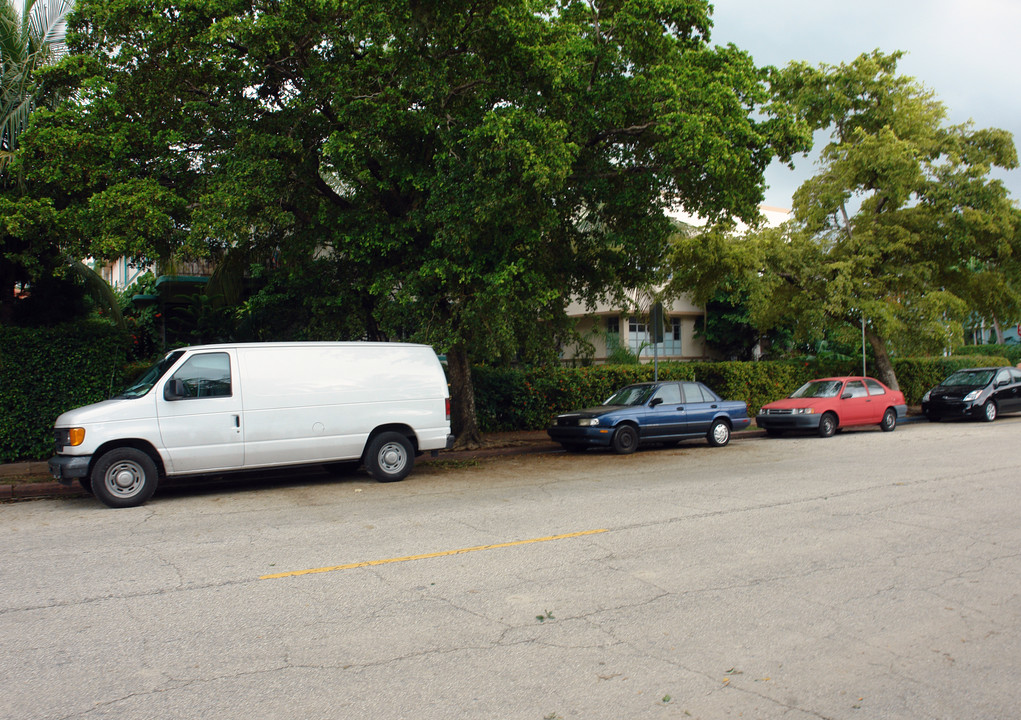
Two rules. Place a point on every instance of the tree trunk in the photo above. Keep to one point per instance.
(884, 366)
(463, 423)
(998, 330)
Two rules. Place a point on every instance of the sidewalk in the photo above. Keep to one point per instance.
(33, 480)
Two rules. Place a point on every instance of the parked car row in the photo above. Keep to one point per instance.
(671, 411)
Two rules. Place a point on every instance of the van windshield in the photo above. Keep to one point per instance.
(150, 377)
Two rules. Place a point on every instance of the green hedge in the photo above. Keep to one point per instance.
(44, 372)
(511, 399)
(527, 399)
(917, 375)
(1012, 352)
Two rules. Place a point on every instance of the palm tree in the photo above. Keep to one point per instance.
(30, 38)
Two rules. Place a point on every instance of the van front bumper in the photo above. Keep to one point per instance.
(68, 467)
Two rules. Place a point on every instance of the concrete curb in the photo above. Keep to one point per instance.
(517, 443)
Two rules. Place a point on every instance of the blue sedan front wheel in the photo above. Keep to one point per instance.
(625, 440)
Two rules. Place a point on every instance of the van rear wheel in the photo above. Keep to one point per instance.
(124, 477)
(389, 457)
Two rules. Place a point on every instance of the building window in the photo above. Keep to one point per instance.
(612, 334)
(672, 337)
(637, 335)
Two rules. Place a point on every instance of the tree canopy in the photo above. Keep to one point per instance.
(470, 165)
(903, 226)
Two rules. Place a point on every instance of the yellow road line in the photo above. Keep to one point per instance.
(425, 556)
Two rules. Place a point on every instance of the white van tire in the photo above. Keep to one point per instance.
(124, 477)
(389, 457)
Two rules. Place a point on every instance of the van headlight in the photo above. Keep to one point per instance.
(75, 436)
(588, 422)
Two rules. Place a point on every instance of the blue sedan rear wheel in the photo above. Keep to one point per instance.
(625, 440)
(719, 434)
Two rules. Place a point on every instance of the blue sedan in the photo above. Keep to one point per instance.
(649, 413)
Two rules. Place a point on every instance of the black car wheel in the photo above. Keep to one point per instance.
(827, 425)
(625, 440)
(719, 434)
(989, 411)
(889, 422)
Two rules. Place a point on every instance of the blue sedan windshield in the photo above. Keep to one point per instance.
(631, 395)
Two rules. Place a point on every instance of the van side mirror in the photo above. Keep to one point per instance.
(174, 390)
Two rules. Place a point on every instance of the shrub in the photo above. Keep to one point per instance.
(1012, 351)
(917, 375)
(47, 371)
(527, 399)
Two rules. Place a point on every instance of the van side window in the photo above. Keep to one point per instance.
(206, 375)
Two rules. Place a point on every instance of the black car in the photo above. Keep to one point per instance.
(980, 393)
(659, 412)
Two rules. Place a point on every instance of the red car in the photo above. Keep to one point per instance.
(827, 404)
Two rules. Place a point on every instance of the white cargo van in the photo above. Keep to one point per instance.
(219, 408)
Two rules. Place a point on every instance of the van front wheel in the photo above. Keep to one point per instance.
(389, 457)
(124, 477)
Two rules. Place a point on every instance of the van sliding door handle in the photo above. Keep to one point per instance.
(237, 421)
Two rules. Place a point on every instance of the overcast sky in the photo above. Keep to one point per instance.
(966, 51)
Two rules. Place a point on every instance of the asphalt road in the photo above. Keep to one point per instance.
(870, 575)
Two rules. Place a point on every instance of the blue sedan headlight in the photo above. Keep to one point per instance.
(588, 422)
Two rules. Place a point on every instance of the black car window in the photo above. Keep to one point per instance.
(875, 388)
(1015, 375)
(1003, 376)
(670, 394)
(855, 388)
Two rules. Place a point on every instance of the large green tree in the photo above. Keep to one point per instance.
(903, 227)
(475, 164)
(31, 38)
